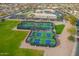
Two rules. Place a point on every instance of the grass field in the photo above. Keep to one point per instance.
(59, 28)
(10, 41)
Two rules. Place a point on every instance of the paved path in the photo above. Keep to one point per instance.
(66, 45)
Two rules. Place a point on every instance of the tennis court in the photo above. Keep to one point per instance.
(40, 35)
(25, 25)
(35, 25)
(43, 38)
(43, 25)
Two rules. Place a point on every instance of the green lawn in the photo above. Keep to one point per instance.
(10, 41)
(59, 28)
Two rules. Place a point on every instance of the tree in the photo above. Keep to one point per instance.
(72, 31)
(72, 19)
(71, 38)
(48, 18)
(2, 20)
(66, 17)
(32, 15)
(3, 14)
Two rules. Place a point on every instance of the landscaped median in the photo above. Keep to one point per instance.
(10, 41)
(59, 28)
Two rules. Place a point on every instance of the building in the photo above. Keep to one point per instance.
(45, 13)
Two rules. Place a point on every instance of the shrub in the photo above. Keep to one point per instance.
(72, 19)
(72, 31)
(2, 20)
(71, 38)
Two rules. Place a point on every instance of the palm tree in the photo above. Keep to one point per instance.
(29, 16)
(48, 18)
(32, 15)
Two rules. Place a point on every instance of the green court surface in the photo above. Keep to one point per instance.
(41, 38)
(25, 25)
(44, 25)
(35, 25)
